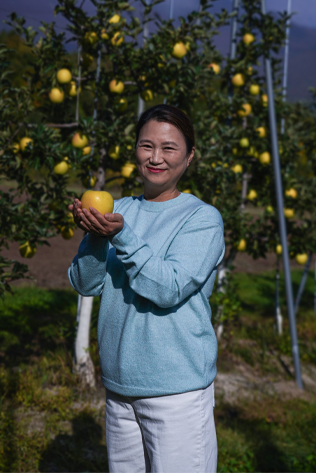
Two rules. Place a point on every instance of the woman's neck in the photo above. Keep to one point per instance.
(155, 196)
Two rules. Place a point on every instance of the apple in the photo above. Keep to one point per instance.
(25, 143)
(122, 104)
(269, 209)
(67, 233)
(265, 158)
(102, 201)
(235, 151)
(64, 76)
(248, 38)
(15, 147)
(244, 142)
(301, 258)
(254, 89)
(56, 95)
(90, 37)
(278, 249)
(116, 87)
(261, 131)
(147, 95)
(216, 68)
(90, 184)
(104, 34)
(246, 110)
(237, 168)
(87, 60)
(252, 195)
(72, 89)
(27, 250)
(61, 168)
(187, 191)
(115, 18)
(252, 152)
(114, 152)
(117, 38)
(250, 70)
(86, 150)
(79, 140)
(264, 100)
(127, 169)
(238, 80)
(291, 193)
(179, 50)
(242, 245)
(289, 213)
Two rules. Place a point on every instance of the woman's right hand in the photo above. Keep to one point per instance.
(76, 210)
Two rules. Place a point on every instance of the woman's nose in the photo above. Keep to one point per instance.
(156, 156)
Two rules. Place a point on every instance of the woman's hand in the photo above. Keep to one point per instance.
(94, 222)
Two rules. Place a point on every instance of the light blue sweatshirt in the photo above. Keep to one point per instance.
(155, 278)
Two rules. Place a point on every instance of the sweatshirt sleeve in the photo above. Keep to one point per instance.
(87, 270)
(193, 254)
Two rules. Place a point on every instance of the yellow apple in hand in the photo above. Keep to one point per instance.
(79, 140)
(100, 200)
(301, 258)
(56, 95)
(25, 142)
(27, 250)
(179, 50)
(64, 76)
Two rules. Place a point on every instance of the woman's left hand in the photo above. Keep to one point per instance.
(102, 225)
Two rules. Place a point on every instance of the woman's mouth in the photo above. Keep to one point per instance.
(155, 170)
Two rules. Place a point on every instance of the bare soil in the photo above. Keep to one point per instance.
(48, 267)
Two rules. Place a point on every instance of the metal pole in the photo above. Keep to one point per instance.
(286, 60)
(171, 9)
(141, 103)
(302, 283)
(282, 223)
(233, 41)
(278, 315)
(315, 289)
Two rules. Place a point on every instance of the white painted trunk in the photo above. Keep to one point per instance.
(221, 275)
(279, 321)
(83, 363)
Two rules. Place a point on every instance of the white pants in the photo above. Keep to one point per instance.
(165, 434)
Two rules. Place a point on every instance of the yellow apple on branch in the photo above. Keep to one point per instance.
(25, 142)
(67, 233)
(114, 152)
(248, 38)
(117, 38)
(56, 95)
(127, 169)
(102, 201)
(86, 150)
(179, 50)
(244, 143)
(245, 111)
(252, 195)
(254, 89)
(242, 245)
(278, 249)
(261, 131)
(116, 87)
(27, 250)
(238, 80)
(265, 158)
(89, 181)
(237, 168)
(289, 213)
(291, 193)
(301, 258)
(72, 89)
(147, 95)
(115, 19)
(64, 76)
(79, 140)
(215, 67)
(62, 167)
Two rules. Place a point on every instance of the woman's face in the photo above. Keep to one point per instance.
(161, 156)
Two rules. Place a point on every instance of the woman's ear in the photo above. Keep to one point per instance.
(190, 157)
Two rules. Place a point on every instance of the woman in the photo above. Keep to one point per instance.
(154, 262)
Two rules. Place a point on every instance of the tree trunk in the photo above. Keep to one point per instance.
(83, 364)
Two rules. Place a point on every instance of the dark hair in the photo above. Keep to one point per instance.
(169, 114)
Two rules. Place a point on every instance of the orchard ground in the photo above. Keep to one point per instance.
(51, 423)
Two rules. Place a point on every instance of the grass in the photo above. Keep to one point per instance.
(49, 422)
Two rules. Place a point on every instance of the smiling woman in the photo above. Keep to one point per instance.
(154, 262)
